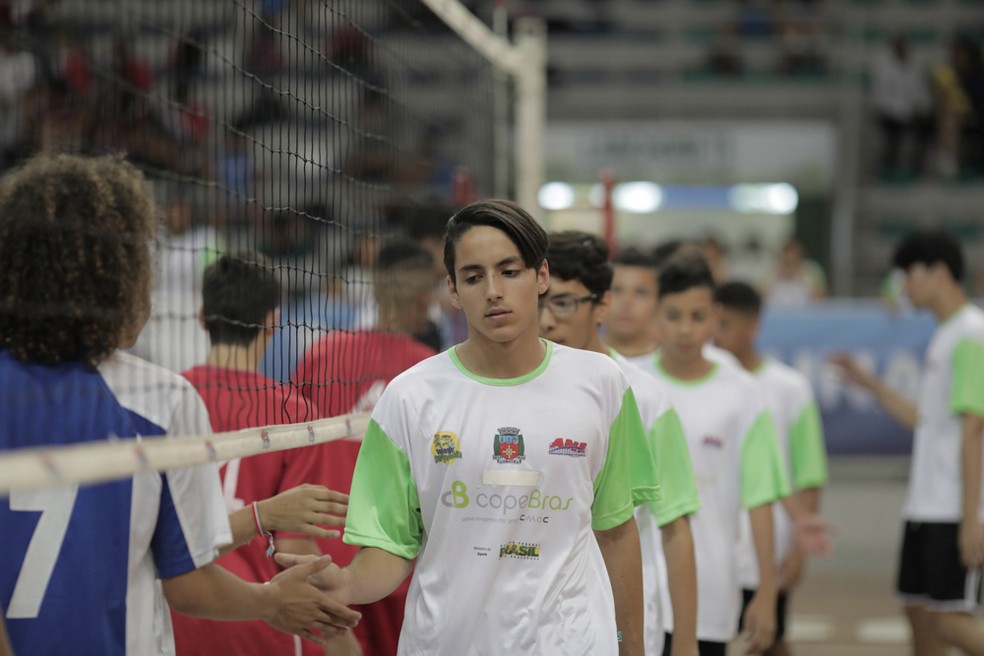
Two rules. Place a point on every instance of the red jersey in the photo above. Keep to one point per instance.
(343, 373)
(346, 372)
(237, 400)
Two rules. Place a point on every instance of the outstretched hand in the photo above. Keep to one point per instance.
(813, 534)
(298, 607)
(305, 509)
(851, 370)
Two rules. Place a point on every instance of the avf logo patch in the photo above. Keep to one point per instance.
(572, 448)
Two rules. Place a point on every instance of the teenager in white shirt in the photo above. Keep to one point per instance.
(943, 541)
(791, 402)
(571, 313)
(504, 468)
(733, 448)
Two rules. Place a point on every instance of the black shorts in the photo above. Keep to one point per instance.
(704, 647)
(930, 571)
(780, 612)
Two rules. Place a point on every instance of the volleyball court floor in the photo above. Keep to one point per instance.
(845, 606)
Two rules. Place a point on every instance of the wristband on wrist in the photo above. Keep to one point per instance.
(271, 547)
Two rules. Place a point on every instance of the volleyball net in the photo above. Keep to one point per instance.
(310, 132)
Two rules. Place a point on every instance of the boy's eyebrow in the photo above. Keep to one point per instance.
(512, 259)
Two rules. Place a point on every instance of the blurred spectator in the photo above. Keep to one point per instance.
(717, 257)
(18, 76)
(959, 86)
(797, 281)
(901, 99)
(724, 59)
(172, 337)
(187, 60)
(802, 48)
(752, 262)
(447, 326)
(358, 278)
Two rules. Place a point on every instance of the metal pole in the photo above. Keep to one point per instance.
(531, 111)
(500, 108)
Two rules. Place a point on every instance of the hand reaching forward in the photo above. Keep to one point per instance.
(759, 625)
(813, 534)
(303, 508)
(297, 606)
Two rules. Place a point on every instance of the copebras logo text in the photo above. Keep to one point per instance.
(535, 507)
(521, 550)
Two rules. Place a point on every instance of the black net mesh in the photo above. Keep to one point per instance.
(312, 132)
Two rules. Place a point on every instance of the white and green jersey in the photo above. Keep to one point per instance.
(952, 385)
(737, 464)
(790, 399)
(678, 487)
(495, 487)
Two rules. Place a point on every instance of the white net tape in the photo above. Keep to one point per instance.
(96, 462)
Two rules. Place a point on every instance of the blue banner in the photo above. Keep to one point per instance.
(890, 345)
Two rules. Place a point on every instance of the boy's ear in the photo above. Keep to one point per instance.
(543, 278)
(453, 293)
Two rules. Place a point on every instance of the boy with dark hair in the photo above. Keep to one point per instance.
(521, 541)
(74, 258)
(347, 372)
(791, 402)
(735, 456)
(628, 326)
(240, 311)
(943, 542)
(571, 313)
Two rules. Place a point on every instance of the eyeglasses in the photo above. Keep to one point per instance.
(564, 306)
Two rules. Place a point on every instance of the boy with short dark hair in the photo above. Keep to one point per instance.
(735, 456)
(943, 543)
(240, 312)
(571, 313)
(791, 402)
(520, 541)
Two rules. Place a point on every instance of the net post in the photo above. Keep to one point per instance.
(531, 111)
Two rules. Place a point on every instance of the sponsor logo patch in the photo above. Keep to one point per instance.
(445, 447)
(714, 442)
(522, 550)
(572, 448)
(508, 446)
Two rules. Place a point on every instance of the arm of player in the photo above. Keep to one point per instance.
(372, 575)
(760, 615)
(344, 644)
(288, 603)
(678, 547)
(900, 408)
(5, 648)
(971, 530)
(812, 537)
(623, 560)
(297, 510)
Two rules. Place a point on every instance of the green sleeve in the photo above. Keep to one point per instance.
(384, 509)
(621, 479)
(967, 393)
(807, 453)
(674, 471)
(763, 479)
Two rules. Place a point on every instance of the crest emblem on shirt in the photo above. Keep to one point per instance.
(572, 448)
(445, 447)
(508, 446)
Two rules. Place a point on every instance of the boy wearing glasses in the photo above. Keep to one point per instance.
(570, 314)
(508, 468)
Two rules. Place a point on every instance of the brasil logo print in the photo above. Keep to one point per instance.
(445, 447)
(508, 446)
(522, 550)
